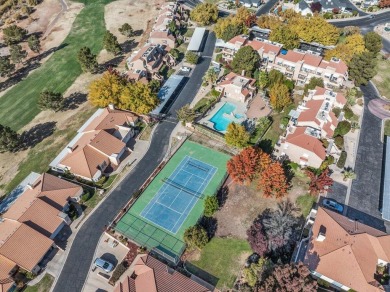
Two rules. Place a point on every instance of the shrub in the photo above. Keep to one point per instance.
(329, 160)
(196, 237)
(342, 159)
(339, 141)
(85, 197)
(192, 58)
(342, 128)
(211, 205)
(336, 111)
(348, 113)
(118, 272)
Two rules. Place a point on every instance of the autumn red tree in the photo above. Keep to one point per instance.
(290, 278)
(245, 166)
(257, 239)
(384, 3)
(251, 20)
(319, 183)
(273, 181)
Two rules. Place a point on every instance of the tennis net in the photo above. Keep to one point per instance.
(182, 188)
(198, 166)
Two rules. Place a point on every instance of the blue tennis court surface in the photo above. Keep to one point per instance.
(173, 202)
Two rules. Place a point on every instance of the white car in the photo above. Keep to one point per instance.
(185, 69)
(104, 265)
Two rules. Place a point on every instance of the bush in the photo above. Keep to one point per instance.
(339, 141)
(342, 128)
(211, 205)
(85, 197)
(348, 113)
(118, 272)
(196, 237)
(342, 160)
(329, 160)
(336, 111)
(192, 58)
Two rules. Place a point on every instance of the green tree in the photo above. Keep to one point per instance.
(17, 53)
(362, 68)
(313, 83)
(154, 86)
(342, 128)
(211, 76)
(192, 58)
(9, 139)
(228, 28)
(275, 76)
(373, 42)
(246, 59)
(13, 34)
(87, 60)
(205, 13)
(196, 237)
(263, 80)
(6, 67)
(175, 53)
(137, 97)
(186, 114)
(110, 43)
(279, 96)
(32, 2)
(237, 136)
(251, 273)
(49, 100)
(126, 30)
(34, 43)
(285, 36)
(211, 205)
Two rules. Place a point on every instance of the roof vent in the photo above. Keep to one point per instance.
(111, 106)
(170, 271)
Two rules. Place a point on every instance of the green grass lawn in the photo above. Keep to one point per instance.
(382, 79)
(305, 202)
(386, 130)
(43, 153)
(221, 260)
(42, 286)
(19, 105)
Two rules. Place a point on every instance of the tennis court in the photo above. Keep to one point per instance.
(173, 201)
(179, 193)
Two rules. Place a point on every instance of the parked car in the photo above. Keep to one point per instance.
(185, 69)
(332, 204)
(104, 265)
(371, 16)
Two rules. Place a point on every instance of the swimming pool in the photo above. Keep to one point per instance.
(223, 117)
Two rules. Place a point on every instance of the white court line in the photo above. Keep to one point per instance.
(168, 208)
(156, 198)
(189, 212)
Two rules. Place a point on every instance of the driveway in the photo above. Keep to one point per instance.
(364, 202)
(77, 265)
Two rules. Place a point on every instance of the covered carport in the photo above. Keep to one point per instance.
(197, 40)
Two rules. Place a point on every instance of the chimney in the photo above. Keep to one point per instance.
(70, 149)
(243, 73)
(111, 106)
(321, 234)
(30, 186)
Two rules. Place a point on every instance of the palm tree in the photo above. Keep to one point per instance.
(349, 174)
(211, 76)
(279, 225)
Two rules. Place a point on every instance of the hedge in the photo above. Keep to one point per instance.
(342, 159)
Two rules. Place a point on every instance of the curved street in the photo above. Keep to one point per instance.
(81, 254)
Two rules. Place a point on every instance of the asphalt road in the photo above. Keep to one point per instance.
(81, 254)
(367, 24)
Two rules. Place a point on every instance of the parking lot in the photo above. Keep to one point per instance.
(97, 279)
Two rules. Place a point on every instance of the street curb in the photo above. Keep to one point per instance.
(96, 207)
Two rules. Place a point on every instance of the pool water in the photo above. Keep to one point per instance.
(221, 122)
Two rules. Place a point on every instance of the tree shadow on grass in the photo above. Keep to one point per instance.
(37, 134)
(210, 224)
(74, 101)
(31, 64)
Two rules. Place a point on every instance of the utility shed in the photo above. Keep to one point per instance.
(196, 39)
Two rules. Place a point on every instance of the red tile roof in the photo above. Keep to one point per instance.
(305, 141)
(312, 60)
(292, 56)
(151, 275)
(349, 251)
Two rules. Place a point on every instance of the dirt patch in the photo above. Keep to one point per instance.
(243, 204)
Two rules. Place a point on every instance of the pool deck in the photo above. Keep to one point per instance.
(241, 108)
